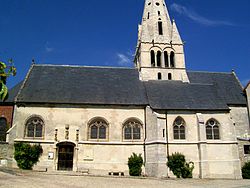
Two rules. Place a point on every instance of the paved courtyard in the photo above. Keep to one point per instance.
(12, 179)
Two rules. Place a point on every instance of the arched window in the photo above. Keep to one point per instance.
(3, 129)
(179, 129)
(213, 130)
(160, 28)
(152, 54)
(158, 59)
(166, 59)
(132, 129)
(169, 76)
(34, 127)
(98, 129)
(172, 59)
(159, 76)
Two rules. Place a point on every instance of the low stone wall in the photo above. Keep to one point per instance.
(6, 154)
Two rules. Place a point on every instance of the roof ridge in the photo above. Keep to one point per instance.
(211, 72)
(84, 66)
(24, 82)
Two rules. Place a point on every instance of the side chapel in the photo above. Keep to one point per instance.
(154, 109)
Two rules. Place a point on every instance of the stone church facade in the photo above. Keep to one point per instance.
(154, 109)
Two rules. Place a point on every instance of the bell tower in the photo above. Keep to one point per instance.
(160, 50)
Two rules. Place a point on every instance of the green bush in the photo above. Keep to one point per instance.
(246, 171)
(135, 163)
(27, 155)
(178, 165)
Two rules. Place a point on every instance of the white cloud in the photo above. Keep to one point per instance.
(199, 18)
(48, 48)
(124, 59)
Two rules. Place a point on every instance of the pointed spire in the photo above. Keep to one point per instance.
(156, 24)
(176, 38)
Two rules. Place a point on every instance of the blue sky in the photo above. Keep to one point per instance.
(104, 33)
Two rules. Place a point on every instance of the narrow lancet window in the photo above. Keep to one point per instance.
(159, 76)
(166, 59)
(148, 15)
(160, 28)
(169, 76)
(158, 59)
(152, 54)
(172, 59)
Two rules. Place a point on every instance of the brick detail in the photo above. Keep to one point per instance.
(6, 112)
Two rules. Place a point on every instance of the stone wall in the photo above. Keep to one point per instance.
(212, 158)
(239, 117)
(98, 156)
(6, 154)
(155, 144)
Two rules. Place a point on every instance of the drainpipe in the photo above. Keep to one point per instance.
(167, 136)
(145, 137)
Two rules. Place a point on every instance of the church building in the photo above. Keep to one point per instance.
(93, 118)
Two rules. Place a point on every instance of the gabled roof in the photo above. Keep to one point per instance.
(121, 86)
(82, 85)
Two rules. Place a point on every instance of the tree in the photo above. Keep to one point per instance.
(5, 72)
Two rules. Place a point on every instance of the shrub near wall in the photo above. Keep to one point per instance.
(27, 155)
(135, 163)
(246, 171)
(178, 165)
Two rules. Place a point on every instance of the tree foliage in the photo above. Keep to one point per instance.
(27, 155)
(246, 171)
(5, 72)
(178, 165)
(135, 163)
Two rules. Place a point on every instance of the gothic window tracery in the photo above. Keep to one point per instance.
(179, 129)
(98, 129)
(34, 127)
(213, 129)
(132, 129)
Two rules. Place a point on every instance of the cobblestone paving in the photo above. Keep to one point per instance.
(9, 179)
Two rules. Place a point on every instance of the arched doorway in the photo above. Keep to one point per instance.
(65, 156)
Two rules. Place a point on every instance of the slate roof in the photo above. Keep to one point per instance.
(226, 84)
(206, 91)
(121, 86)
(177, 95)
(83, 85)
